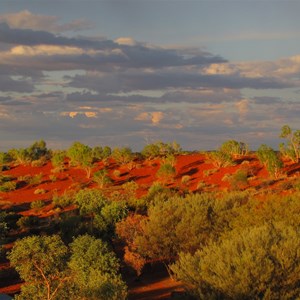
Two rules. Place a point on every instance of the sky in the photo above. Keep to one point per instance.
(130, 73)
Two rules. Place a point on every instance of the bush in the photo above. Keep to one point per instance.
(57, 160)
(249, 263)
(63, 200)
(166, 172)
(37, 204)
(27, 222)
(8, 186)
(35, 179)
(220, 159)
(122, 155)
(234, 148)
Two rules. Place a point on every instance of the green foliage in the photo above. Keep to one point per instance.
(290, 150)
(122, 155)
(8, 186)
(100, 153)
(3, 225)
(238, 180)
(101, 178)
(38, 204)
(35, 179)
(166, 172)
(20, 156)
(95, 270)
(260, 262)
(81, 155)
(220, 159)
(88, 270)
(64, 200)
(183, 224)
(24, 156)
(234, 148)
(37, 150)
(4, 160)
(103, 213)
(57, 160)
(268, 157)
(40, 262)
(27, 222)
(160, 149)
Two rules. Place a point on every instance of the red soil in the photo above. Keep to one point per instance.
(144, 174)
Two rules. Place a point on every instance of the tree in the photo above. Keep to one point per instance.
(41, 263)
(52, 271)
(122, 155)
(101, 178)
(57, 160)
(81, 155)
(293, 142)
(269, 158)
(94, 270)
(234, 148)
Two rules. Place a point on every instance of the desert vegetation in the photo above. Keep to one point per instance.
(223, 223)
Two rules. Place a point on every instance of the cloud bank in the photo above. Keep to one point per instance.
(125, 92)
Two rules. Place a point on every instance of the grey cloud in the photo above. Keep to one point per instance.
(134, 56)
(7, 84)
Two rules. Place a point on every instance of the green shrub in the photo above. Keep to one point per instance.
(57, 160)
(166, 172)
(249, 263)
(220, 159)
(8, 186)
(38, 204)
(122, 155)
(234, 148)
(101, 178)
(27, 222)
(35, 179)
(269, 158)
(63, 200)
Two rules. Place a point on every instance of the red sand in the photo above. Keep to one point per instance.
(144, 174)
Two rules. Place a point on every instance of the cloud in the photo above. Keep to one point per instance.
(27, 20)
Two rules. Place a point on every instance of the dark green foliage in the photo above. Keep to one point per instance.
(103, 214)
(100, 153)
(95, 270)
(3, 225)
(27, 222)
(37, 150)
